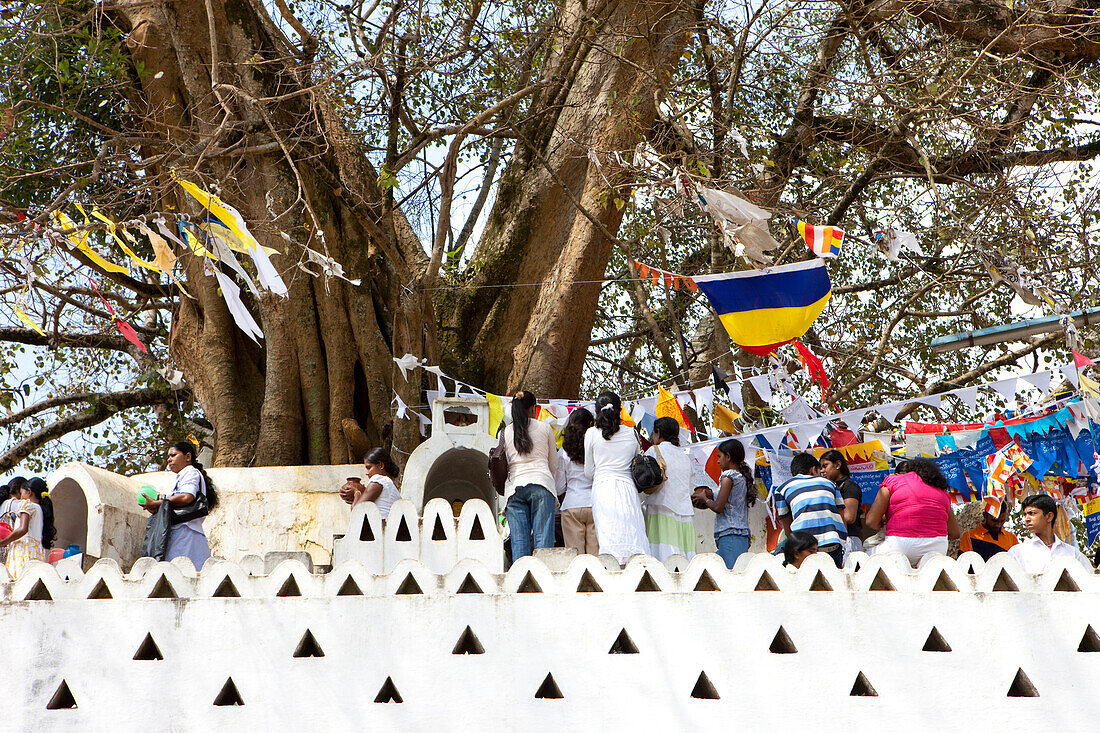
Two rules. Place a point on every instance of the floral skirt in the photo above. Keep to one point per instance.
(21, 552)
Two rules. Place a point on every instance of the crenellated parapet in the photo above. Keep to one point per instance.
(553, 642)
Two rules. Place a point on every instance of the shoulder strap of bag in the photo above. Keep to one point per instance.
(661, 463)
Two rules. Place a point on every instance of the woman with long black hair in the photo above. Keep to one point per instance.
(577, 528)
(616, 510)
(33, 532)
(186, 539)
(532, 454)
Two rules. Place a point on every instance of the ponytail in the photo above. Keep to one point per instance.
(186, 446)
(608, 408)
(521, 438)
(38, 487)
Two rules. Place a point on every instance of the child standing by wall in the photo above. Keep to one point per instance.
(735, 494)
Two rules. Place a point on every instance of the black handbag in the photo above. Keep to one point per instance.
(648, 473)
(498, 465)
(200, 507)
(157, 530)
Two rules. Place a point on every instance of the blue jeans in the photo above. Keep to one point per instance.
(530, 511)
(731, 547)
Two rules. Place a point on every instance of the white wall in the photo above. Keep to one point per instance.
(678, 631)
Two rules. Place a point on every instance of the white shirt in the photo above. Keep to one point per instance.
(1033, 554)
(609, 458)
(34, 517)
(573, 483)
(536, 467)
(675, 492)
(189, 481)
(389, 494)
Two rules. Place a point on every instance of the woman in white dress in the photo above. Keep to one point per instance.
(187, 538)
(574, 488)
(380, 487)
(616, 509)
(669, 515)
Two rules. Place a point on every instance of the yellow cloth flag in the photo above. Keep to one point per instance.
(496, 412)
(625, 418)
(667, 406)
(229, 218)
(80, 241)
(30, 324)
(725, 419)
(1088, 386)
(112, 228)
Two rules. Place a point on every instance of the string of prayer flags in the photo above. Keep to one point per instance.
(113, 230)
(762, 310)
(661, 277)
(823, 241)
(123, 327)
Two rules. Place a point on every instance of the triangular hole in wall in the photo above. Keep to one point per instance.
(782, 644)
(944, 582)
(856, 567)
(409, 586)
(388, 693)
(148, 651)
(529, 584)
(935, 642)
(289, 588)
(881, 582)
(1090, 642)
(705, 582)
(1066, 582)
(646, 584)
(820, 583)
(476, 530)
(1021, 686)
(468, 643)
(1005, 582)
(226, 589)
(623, 644)
(38, 592)
(62, 699)
(588, 584)
(308, 646)
(469, 585)
(862, 687)
(970, 569)
(349, 588)
(403, 534)
(766, 582)
(703, 689)
(163, 589)
(101, 591)
(438, 532)
(229, 696)
(549, 690)
(366, 534)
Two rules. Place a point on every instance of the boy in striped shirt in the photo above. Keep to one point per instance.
(812, 503)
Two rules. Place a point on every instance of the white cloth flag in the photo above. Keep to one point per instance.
(225, 255)
(241, 316)
(406, 363)
(1039, 379)
(1006, 388)
(704, 399)
(1069, 371)
(763, 387)
(736, 397)
(269, 276)
(968, 396)
(932, 400)
(854, 418)
(890, 411)
(402, 408)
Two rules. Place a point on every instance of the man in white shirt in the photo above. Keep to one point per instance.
(1033, 554)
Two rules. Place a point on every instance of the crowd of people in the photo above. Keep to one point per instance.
(588, 482)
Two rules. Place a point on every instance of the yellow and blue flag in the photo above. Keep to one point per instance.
(764, 309)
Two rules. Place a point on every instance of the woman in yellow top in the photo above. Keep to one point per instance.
(33, 532)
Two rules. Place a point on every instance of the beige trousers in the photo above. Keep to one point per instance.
(579, 530)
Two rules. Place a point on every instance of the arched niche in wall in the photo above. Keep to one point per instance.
(70, 513)
(459, 474)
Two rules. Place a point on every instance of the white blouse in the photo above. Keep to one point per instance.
(536, 467)
(675, 492)
(389, 494)
(573, 483)
(605, 459)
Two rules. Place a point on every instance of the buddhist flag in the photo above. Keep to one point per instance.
(668, 406)
(764, 309)
(824, 241)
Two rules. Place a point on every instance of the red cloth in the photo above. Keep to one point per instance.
(916, 509)
(841, 438)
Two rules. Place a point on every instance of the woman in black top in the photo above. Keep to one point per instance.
(835, 468)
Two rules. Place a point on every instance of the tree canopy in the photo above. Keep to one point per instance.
(488, 170)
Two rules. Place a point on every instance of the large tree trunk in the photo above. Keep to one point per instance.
(326, 355)
(604, 83)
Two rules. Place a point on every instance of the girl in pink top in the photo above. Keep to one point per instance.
(916, 505)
